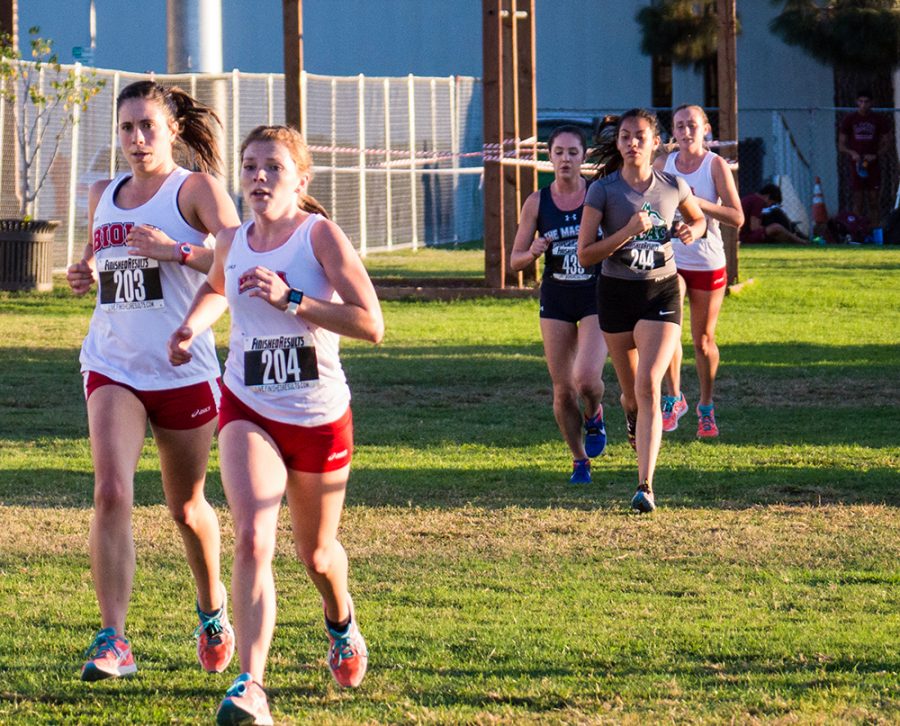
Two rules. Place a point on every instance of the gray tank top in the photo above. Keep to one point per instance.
(648, 256)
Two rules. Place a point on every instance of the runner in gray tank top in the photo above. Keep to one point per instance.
(638, 300)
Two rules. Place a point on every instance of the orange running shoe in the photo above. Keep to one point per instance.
(706, 423)
(215, 639)
(348, 656)
(245, 702)
(109, 656)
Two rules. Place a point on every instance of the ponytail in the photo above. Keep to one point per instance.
(197, 123)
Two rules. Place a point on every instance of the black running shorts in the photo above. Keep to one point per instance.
(621, 303)
(569, 303)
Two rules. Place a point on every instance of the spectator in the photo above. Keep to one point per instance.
(765, 220)
(864, 137)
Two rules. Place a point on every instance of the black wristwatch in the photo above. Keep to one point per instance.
(295, 297)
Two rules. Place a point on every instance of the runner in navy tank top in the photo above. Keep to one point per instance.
(573, 344)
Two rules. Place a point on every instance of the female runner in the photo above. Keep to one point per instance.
(294, 285)
(701, 264)
(150, 250)
(573, 344)
(638, 300)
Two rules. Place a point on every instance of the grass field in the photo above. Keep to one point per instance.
(764, 589)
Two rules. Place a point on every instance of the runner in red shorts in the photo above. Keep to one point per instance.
(701, 264)
(151, 232)
(294, 285)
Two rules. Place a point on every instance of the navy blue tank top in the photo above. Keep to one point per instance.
(561, 231)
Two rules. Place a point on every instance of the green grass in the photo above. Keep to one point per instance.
(764, 589)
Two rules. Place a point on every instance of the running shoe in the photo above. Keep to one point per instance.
(245, 702)
(215, 639)
(348, 656)
(631, 429)
(672, 410)
(581, 472)
(109, 656)
(594, 434)
(642, 500)
(706, 423)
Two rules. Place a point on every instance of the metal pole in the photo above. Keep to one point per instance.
(194, 36)
(388, 198)
(413, 205)
(73, 171)
(361, 156)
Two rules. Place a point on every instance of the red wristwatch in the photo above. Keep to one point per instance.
(185, 251)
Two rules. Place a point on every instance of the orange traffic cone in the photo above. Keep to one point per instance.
(819, 210)
(821, 231)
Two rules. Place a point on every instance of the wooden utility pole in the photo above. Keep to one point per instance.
(509, 115)
(292, 22)
(726, 60)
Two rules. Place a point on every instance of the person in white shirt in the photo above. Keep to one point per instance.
(151, 244)
(293, 284)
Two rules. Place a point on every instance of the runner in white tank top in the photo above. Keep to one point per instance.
(702, 264)
(262, 337)
(294, 284)
(141, 299)
(151, 246)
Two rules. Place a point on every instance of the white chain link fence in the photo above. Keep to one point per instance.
(397, 161)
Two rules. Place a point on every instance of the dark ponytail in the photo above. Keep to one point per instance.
(198, 125)
(604, 154)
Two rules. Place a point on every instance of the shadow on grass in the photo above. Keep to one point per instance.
(681, 486)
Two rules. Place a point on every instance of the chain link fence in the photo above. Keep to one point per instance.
(397, 161)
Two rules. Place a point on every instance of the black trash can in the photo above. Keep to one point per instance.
(26, 254)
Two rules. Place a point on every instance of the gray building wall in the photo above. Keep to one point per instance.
(588, 52)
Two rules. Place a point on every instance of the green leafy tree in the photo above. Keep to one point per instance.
(46, 101)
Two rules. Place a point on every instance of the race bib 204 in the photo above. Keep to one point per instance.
(129, 283)
(279, 363)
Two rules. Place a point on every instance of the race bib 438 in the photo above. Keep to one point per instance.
(279, 363)
(129, 283)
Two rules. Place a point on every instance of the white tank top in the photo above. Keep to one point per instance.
(141, 301)
(283, 367)
(707, 253)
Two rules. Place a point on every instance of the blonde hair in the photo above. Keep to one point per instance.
(296, 146)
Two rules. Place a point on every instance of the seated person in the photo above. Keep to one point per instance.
(765, 221)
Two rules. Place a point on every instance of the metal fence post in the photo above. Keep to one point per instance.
(454, 151)
(361, 156)
(413, 205)
(73, 171)
(388, 166)
(235, 134)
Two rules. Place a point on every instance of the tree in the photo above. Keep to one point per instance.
(685, 31)
(44, 109)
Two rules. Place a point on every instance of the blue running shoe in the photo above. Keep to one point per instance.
(594, 434)
(642, 500)
(581, 472)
